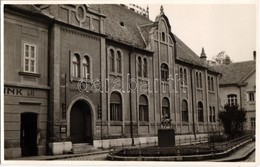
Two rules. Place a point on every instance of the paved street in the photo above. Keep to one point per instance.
(251, 158)
(88, 157)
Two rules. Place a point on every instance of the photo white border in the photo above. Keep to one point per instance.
(132, 163)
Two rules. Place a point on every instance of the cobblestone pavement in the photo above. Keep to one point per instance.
(98, 157)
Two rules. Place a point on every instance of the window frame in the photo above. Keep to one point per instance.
(143, 109)
(29, 57)
(184, 113)
(200, 112)
(164, 72)
(116, 115)
(232, 99)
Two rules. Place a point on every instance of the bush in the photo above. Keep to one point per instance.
(218, 137)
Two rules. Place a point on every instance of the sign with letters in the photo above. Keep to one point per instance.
(16, 91)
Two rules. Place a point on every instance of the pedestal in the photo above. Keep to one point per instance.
(166, 137)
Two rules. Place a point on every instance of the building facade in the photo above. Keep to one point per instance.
(101, 75)
(238, 86)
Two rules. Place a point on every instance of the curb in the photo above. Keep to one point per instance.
(186, 158)
(240, 158)
(77, 155)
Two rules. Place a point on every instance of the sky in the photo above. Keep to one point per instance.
(216, 27)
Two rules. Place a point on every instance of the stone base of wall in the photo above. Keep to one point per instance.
(11, 153)
(60, 147)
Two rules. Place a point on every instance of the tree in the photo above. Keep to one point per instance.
(233, 118)
(222, 58)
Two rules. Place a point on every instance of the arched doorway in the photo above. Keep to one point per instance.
(81, 123)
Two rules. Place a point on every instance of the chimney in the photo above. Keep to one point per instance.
(203, 55)
(254, 54)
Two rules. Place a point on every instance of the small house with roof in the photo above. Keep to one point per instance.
(238, 86)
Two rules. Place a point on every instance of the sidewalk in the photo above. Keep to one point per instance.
(63, 156)
(238, 155)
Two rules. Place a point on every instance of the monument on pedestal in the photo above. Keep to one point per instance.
(166, 134)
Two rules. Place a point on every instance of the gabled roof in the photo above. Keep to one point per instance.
(128, 33)
(126, 26)
(235, 73)
(28, 8)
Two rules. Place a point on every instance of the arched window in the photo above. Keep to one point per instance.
(181, 76)
(185, 76)
(210, 114)
(184, 111)
(139, 66)
(200, 112)
(197, 80)
(115, 107)
(200, 78)
(145, 68)
(143, 108)
(212, 83)
(75, 66)
(165, 107)
(163, 36)
(112, 60)
(232, 99)
(214, 115)
(119, 62)
(164, 72)
(86, 67)
(209, 84)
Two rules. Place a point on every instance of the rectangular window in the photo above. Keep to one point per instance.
(251, 96)
(252, 122)
(115, 110)
(143, 113)
(29, 58)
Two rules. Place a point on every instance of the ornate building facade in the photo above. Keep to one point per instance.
(97, 76)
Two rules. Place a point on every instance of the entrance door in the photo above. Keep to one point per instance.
(80, 123)
(29, 134)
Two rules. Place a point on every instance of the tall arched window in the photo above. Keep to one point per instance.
(200, 78)
(163, 36)
(214, 115)
(181, 76)
(197, 80)
(112, 60)
(143, 108)
(86, 67)
(119, 62)
(209, 85)
(212, 83)
(115, 107)
(165, 107)
(200, 112)
(210, 114)
(75, 66)
(184, 111)
(139, 66)
(164, 72)
(185, 76)
(145, 68)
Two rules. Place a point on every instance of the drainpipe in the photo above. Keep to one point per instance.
(192, 101)
(130, 98)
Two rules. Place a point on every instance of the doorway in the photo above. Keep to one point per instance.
(28, 134)
(81, 123)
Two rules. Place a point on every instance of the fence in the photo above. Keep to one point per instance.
(185, 146)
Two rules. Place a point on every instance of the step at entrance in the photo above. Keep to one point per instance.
(82, 148)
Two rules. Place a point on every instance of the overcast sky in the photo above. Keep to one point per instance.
(216, 27)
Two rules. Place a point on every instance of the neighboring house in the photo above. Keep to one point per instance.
(238, 86)
(53, 52)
